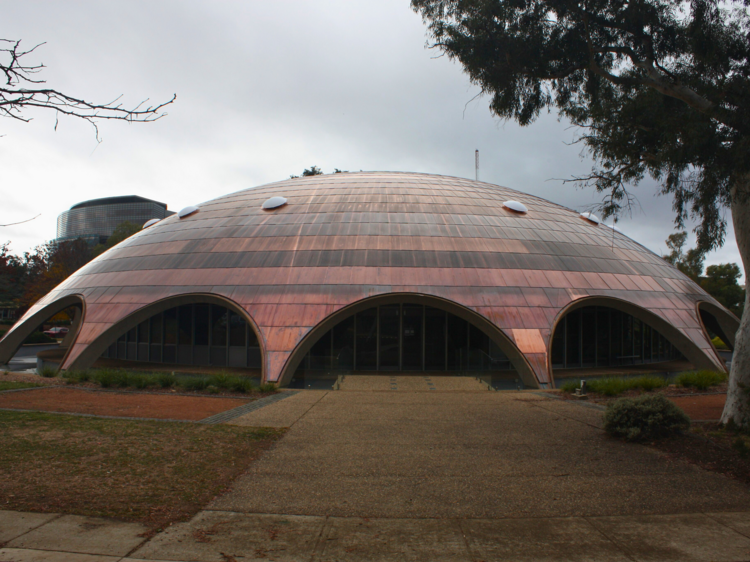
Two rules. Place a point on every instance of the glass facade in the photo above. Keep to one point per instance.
(192, 334)
(597, 336)
(405, 337)
(96, 220)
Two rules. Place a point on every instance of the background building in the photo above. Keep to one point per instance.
(96, 220)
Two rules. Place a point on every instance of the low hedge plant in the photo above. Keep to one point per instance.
(645, 417)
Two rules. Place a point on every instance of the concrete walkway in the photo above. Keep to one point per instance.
(223, 536)
(423, 476)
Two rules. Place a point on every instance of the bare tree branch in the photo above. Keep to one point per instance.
(14, 99)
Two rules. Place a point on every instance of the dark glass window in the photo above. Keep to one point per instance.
(201, 324)
(457, 343)
(479, 349)
(186, 325)
(573, 343)
(558, 344)
(602, 336)
(411, 329)
(143, 332)
(434, 339)
(170, 327)
(588, 336)
(367, 339)
(390, 320)
(320, 353)
(343, 344)
(156, 329)
(237, 330)
(616, 338)
(219, 322)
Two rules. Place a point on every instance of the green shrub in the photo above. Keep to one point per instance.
(48, 372)
(570, 386)
(644, 417)
(140, 381)
(612, 386)
(39, 337)
(212, 389)
(719, 343)
(700, 379)
(193, 383)
(267, 387)
(242, 384)
(648, 382)
(222, 380)
(166, 380)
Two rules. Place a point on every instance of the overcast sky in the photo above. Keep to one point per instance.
(264, 90)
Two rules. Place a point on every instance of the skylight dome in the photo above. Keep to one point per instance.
(590, 217)
(515, 206)
(274, 203)
(187, 211)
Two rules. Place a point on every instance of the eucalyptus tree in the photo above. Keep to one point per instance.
(658, 88)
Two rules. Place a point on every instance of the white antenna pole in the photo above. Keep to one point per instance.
(476, 165)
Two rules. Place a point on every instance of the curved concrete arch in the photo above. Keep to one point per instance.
(720, 321)
(94, 350)
(683, 343)
(517, 358)
(18, 334)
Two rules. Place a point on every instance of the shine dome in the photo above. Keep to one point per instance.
(345, 242)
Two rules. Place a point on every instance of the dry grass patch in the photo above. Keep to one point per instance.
(151, 472)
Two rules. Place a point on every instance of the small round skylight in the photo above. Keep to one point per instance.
(187, 211)
(515, 206)
(591, 217)
(151, 222)
(274, 203)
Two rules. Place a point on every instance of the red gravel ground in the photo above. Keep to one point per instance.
(129, 405)
(707, 407)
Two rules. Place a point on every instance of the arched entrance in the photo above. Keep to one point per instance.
(609, 334)
(34, 318)
(407, 334)
(197, 329)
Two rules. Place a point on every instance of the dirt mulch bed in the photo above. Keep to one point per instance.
(29, 377)
(705, 407)
(712, 448)
(119, 404)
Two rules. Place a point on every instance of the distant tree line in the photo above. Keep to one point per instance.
(26, 278)
(720, 281)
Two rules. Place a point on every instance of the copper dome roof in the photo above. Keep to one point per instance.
(345, 237)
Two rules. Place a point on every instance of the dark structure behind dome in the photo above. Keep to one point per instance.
(95, 220)
(383, 271)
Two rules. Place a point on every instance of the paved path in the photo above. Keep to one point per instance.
(429, 476)
(462, 455)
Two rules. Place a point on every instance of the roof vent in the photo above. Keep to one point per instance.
(151, 222)
(515, 206)
(274, 203)
(187, 211)
(590, 217)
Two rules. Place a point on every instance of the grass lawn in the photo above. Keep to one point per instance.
(151, 472)
(13, 385)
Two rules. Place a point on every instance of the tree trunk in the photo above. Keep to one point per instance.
(737, 408)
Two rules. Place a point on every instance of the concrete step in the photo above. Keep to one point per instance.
(410, 383)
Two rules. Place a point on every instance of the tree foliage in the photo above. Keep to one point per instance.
(124, 230)
(720, 281)
(23, 90)
(27, 278)
(658, 87)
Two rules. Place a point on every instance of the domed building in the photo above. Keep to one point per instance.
(382, 273)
